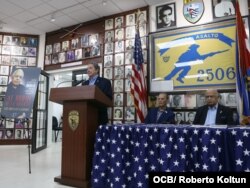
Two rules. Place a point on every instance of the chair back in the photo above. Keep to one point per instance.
(54, 123)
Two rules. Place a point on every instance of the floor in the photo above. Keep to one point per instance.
(45, 165)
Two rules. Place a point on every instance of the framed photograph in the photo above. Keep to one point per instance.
(119, 22)
(119, 59)
(24, 51)
(95, 50)
(1, 39)
(118, 85)
(179, 118)
(9, 133)
(3, 80)
(108, 73)
(10, 123)
(165, 16)
(62, 57)
(84, 40)
(78, 54)
(130, 32)
(65, 45)
(33, 42)
(7, 39)
(15, 40)
(6, 50)
(129, 113)
(32, 61)
(94, 39)
(2, 134)
(74, 43)
(109, 24)
(118, 99)
(118, 113)
(56, 47)
(109, 49)
(223, 8)
(119, 34)
(18, 124)
(212, 57)
(143, 30)
(108, 60)
(128, 71)
(190, 100)
(230, 99)
(127, 85)
(142, 17)
(177, 101)
(16, 50)
(109, 36)
(87, 52)
(130, 19)
(24, 41)
(48, 49)
(200, 100)
(130, 101)
(119, 72)
(23, 61)
(189, 117)
(4, 70)
(14, 61)
(6, 60)
(129, 57)
(70, 55)
(55, 59)
(119, 46)
(19, 134)
(130, 44)
(3, 90)
(47, 60)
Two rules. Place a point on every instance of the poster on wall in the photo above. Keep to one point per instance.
(21, 92)
(195, 57)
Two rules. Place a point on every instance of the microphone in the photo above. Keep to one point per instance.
(79, 82)
(65, 81)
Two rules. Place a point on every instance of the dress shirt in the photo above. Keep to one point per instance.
(211, 115)
(92, 80)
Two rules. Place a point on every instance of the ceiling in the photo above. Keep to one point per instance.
(34, 16)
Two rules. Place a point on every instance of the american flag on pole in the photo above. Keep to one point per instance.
(138, 84)
(242, 70)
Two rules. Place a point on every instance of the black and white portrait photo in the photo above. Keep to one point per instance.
(119, 22)
(118, 99)
(119, 72)
(109, 24)
(119, 59)
(109, 48)
(165, 15)
(119, 34)
(130, 19)
(109, 36)
(108, 60)
(118, 113)
(108, 73)
(118, 85)
(223, 8)
(119, 46)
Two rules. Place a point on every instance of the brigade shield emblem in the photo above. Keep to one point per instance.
(73, 119)
(193, 10)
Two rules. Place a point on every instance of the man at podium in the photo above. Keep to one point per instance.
(103, 84)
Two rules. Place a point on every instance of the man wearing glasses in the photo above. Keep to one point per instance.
(213, 113)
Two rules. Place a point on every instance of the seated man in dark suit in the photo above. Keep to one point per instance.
(213, 113)
(162, 114)
(103, 84)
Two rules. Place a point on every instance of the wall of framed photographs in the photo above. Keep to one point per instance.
(109, 41)
(15, 50)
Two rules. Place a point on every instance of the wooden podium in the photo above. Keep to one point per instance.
(78, 144)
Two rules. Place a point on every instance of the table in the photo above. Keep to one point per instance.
(125, 154)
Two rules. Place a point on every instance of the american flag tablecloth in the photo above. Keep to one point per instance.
(125, 154)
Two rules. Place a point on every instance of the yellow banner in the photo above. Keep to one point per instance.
(196, 58)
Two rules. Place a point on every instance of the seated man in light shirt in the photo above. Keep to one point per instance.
(213, 113)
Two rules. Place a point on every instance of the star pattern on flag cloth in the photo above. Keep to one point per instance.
(124, 155)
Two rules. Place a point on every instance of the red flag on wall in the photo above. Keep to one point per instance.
(242, 69)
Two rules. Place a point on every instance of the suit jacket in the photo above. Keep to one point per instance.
(223, 116)
(105, 86)
(167, 117)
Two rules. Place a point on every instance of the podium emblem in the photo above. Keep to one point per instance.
(73, 119)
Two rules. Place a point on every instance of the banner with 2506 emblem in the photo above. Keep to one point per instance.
(195, 57)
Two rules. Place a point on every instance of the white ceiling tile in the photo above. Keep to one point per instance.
(64, 21)
(62, 3)
(83, 15)
(42, 10)
(101, 10)
(26, 4)
(25, 16)
(72, 9)
(9, 8)
(46, 26)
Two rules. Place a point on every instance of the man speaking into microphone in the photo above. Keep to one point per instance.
(103, 84)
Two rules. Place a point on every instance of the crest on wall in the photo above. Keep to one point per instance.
(193, 10)
(73, 119)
